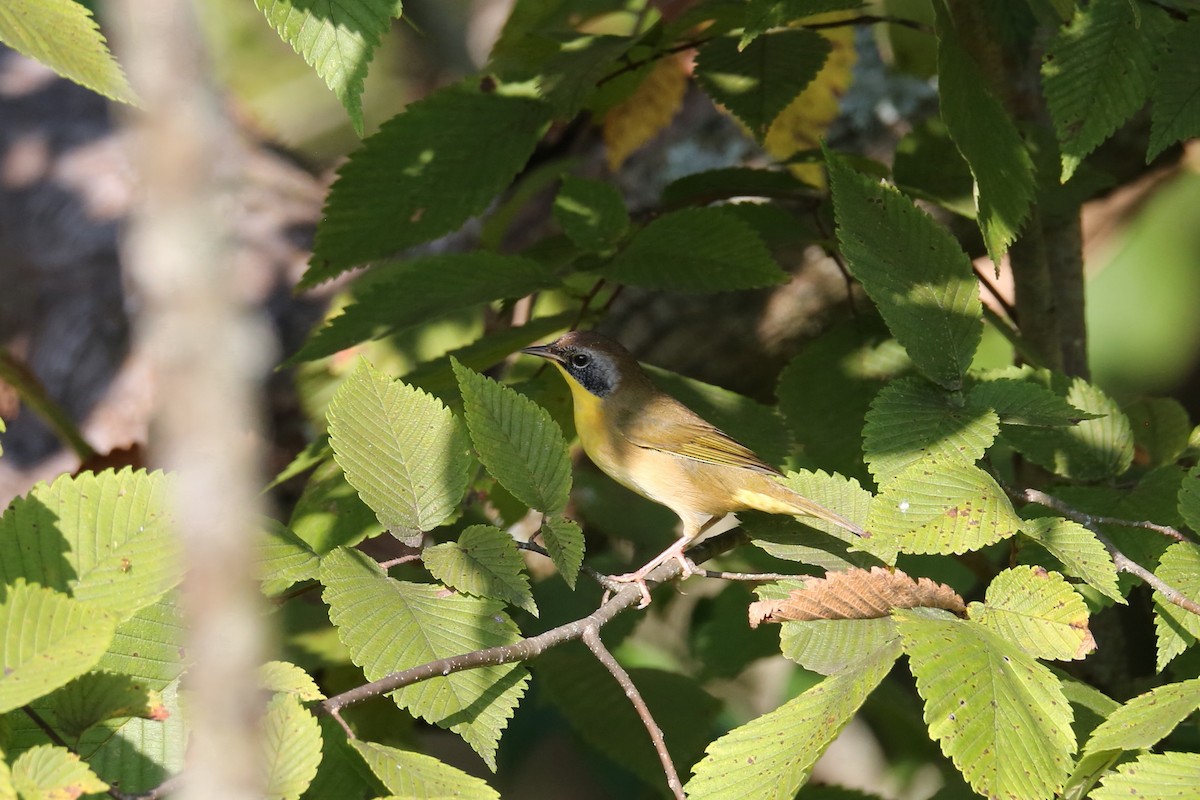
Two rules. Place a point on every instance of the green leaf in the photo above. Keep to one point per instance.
(1160, 430)
(1189, 499)
(565, 67)
(391, 625)
(1024, 403)
(483, 562)
(912, 418)
(139, 754)
(284, 559)
(1097, 448)
(47, 772)
(1078, 550)
(100, 696)
(421, 777)
(148, 646)
(1147, 719)
(599, 711)
(757, 81)
(330, 513)
(825, 392)
(696, 250)
(280, 676)
(1175, 98)
(342, 772)
(702, 188)
(417, 291)
(564, 542)
(772, 756)
(830, 646)
(988, 139)
(291, 740)
(762, 15)
(1177, 629)
(1000, 716)
(62, 35)
(1037, 611)
(422, 175)
(591, 213)
(105, 538)
(1153, 776)
(942, 506)
(913, 270)
(337, 38)
(1097, 73)
(403, 450)
(929, 166)
(518, 442)
(46, 639)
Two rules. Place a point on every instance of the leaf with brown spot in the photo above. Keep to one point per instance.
(1037, 611)
(857, 594)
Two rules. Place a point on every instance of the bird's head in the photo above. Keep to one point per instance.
(594, 362)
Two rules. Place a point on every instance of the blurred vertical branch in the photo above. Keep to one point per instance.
(208, 352)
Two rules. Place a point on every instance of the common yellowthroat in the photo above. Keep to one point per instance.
(655, 445)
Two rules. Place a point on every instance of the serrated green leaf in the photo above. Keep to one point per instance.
(1153, 776)
(830, 646)
(291, 740)
(1097, 73)
(757, 81)
(1024, 403)
(62, 35)
(565, 67)
(1147, 719)
(46, 639)
(1177, 629)
(1189, 499)
(763, 15)
(343, 772)
(1079, 551)
(914, 271)
(1160, 430)
(1000, 716)
(988, 139)
(390, 625)
(929, 166)
(7, 790)
(1037, 611)
(402, 450)
(47, 772)
(564, 542)
(696, 250)
(483, 562)
(825, 392)
(1174, 96)
(330, 513)
(598, 710)
(337, 38)
(284, 558)
(100, 696)
(280, 676)
(422, 175)
(942, 506)
(139, 754)
(105, 538)
(148, 646)
(417, 291)
(518, 442)
(912, 418)
(1094, 449)
(421, 777)
(772, 756)
(591, 213)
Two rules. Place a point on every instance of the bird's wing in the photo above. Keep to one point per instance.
(690, 436)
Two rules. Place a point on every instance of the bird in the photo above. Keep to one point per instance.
(656, 446)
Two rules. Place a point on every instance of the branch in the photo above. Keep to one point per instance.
(1123, 562)
(750, 576)
(624, 595)
(591, 637)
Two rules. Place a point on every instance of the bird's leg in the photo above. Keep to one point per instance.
(691, 532)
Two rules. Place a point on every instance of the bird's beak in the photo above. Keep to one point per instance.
(543, 351)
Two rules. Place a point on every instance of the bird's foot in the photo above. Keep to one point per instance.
(687, 566)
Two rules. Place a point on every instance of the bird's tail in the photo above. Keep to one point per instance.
(779, 499)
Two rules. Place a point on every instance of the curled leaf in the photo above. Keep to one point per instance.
(857, 594)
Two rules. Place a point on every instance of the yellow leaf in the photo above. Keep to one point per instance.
(641, 116)
(807, 118)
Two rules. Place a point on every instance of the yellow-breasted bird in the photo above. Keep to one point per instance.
(655, 445)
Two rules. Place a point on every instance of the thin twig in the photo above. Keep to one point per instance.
(750, 576)
(591, 637)
(623, 598)
(599, 577)
(1000, 299)
(1122, 562)
(587, 301)
(51, 734)
(836, 255)
(395, 562)
(870, 19)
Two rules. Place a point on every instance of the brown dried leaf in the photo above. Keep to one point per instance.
(644, 114)
(857, 594)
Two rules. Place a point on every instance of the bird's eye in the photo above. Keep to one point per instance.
(580, 360)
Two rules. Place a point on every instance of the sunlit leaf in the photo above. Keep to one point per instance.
(857, 594)
(1039, 612)
(47, 772)
(483, 562)
(564, 541)
(1177, 628)
(1153, 776)
(1079, 551)
(421, 777)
